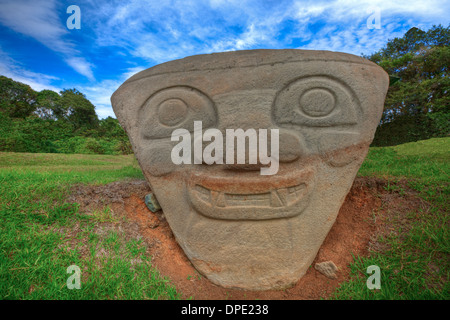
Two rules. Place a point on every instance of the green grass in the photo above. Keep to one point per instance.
(416, 263)
(35, 250)
(37, 242)
(61, 161)
(426, 160)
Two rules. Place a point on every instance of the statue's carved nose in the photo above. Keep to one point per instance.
(292, 146)
(251, 152)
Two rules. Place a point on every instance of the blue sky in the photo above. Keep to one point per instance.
(119, 38)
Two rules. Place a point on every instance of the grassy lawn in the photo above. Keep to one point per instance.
(35, 250)
(416, 265)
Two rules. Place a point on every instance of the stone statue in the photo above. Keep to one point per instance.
(241, 228)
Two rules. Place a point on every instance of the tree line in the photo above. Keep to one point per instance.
(47, 121)
(417, 104)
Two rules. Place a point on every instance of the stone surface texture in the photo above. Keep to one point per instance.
(239, 228)
(327, 268)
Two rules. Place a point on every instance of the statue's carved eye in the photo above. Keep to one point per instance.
(173, 108)
(316, 101)
(172, 112)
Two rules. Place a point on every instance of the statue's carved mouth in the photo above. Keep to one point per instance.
(251, 198)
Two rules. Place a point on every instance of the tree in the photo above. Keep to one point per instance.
(110, 127)
(76, 109)
(17, 99)
(46, 121)
(48, 104)
(418, 105)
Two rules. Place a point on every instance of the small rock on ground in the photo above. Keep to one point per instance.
(327, 268)
(152, 203)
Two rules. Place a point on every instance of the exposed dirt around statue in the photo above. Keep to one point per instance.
(364, 216)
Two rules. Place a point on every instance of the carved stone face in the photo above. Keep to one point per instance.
(238, 227)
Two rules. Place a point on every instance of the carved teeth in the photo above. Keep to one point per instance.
(221, 200)
(214, 196)
(275, 198)
(282, 193)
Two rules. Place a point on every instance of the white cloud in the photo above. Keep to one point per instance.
(39, 20)
(36, 19)
(348, 10)
(131, 72)
(101, 93)
(104, 112)
(345, 22)
(167, 30)
(13, 69)
(251, 37)
(149, 49)
(161, 30)
(81, 66)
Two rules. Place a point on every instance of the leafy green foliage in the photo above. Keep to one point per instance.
(417, 106)
(17, 100)
(49, 122)
(48, 105)
(78, 110)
